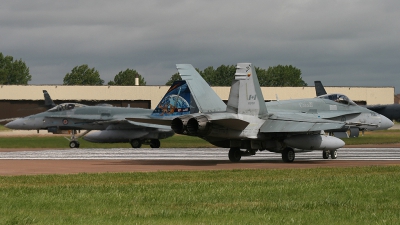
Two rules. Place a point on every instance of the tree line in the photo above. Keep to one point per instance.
(277, 76)
(14, 72)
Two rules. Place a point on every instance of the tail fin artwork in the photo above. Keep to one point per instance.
(245, 96)
(319, 88)
(176, 102)
(204, 96)
(48, 102)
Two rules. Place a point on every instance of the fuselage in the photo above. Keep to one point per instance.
(349, 112)
(78, 117)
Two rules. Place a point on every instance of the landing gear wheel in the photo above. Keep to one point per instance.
(136, 143)
(235, 154)
(74, 144)
(333, 154)
(155, 143)
(325, 154)
(288, 155)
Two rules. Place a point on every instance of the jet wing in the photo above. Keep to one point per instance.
(90, 119)
(280, 124)
(165, 122)
(150, 125)
(85, 119)
(78, 117)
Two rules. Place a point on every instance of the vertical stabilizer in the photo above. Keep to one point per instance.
(176, 102)
(48, 102)
(204, 96)
(319, 88)
(245, 96)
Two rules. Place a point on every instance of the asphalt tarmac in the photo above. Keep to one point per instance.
(67, 161)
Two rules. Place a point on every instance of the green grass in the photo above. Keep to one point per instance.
(177, 141)
(364, 195)
(375, 137)
(3, 128)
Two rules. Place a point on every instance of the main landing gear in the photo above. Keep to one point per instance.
(155, 143)
(235, 154)
(288, 154)
(137, 143)
(332, 153)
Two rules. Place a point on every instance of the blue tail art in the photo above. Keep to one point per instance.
(176, 102)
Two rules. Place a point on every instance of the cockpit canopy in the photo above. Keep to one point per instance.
(339, 98)
(65, 106)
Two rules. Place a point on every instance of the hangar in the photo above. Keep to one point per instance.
(23, 100)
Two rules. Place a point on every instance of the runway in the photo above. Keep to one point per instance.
(191, 154)
(72, 161)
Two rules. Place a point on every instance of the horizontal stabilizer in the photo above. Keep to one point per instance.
(234, 124)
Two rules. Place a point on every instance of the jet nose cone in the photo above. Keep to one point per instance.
(386, 123)
(15, 124)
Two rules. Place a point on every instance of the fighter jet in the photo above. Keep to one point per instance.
(384, 112)
(391, 111)
(248, 123)
(110, 120)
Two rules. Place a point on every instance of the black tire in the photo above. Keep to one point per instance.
(235, 154)
(325, 154)
(136, 143)
(155, 143)
(74, 144)
(333, 154)
(288, 155)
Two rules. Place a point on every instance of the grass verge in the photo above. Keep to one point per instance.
(375, 137)
(364, 195)
(177, 141)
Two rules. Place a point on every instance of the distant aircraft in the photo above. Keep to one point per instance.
(110, 120)
(246, 123)
(391, 111)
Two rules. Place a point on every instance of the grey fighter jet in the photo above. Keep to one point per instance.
(357, 118)
(248, 123)
(391, 111)
(111, 120)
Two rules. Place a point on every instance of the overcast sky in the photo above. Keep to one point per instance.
(341, 43)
